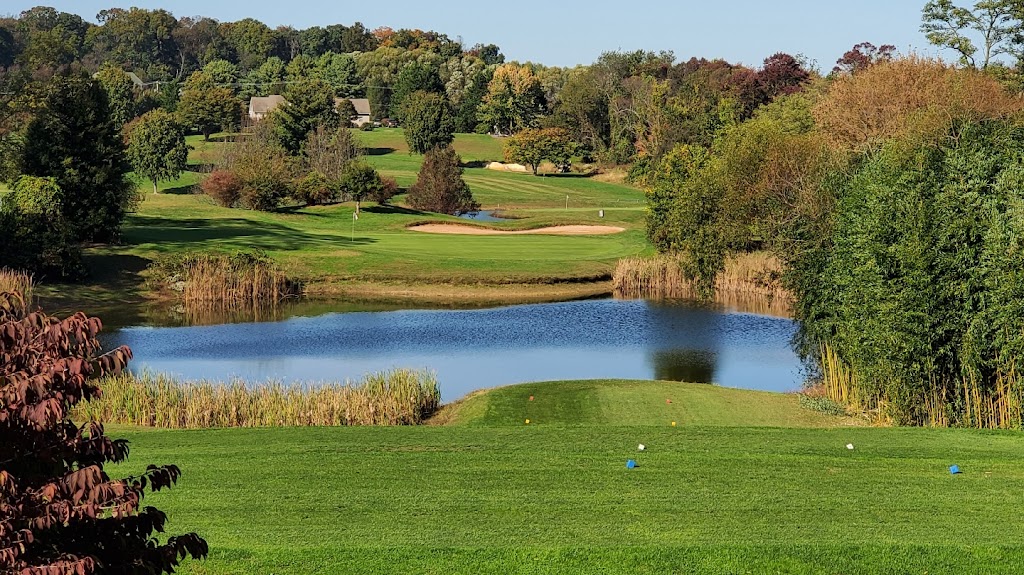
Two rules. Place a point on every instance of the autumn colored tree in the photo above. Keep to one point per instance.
(875, 105)
(439, 186)
(514, 99)
(780, 75)
(156, 147)
(60, 513)
(862, 56)
(533, 146)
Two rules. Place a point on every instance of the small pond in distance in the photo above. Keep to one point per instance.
(482, 348)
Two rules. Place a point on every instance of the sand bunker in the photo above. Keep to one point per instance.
(551, 231)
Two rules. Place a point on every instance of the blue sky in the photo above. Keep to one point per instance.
(566, 33)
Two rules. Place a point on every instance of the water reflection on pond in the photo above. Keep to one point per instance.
(473, 349)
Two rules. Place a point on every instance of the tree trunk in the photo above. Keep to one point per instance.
(357, 206)
(155, 189)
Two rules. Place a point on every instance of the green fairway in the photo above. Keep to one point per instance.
(558, 498)
(325, 247)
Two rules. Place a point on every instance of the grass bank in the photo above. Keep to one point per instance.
(493, 496)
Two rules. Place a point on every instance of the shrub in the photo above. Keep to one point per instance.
(264, 169)
(224, 187)
(388, 189)
(60, 512)
(315, 189)
(439, 186)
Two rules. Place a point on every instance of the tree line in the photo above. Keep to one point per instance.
(891, 191)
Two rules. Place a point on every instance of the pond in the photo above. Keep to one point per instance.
(483, 216)
(482, 348)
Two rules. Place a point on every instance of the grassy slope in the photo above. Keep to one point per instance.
(558, 499)
(630, 403)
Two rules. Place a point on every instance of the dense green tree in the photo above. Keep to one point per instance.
(300, 68)
(8, 44)
(315, 41)
(310, 104)
(206, 108)
(356, 38)
(490, 54)
(223, 73)
(916, 289)
(120, 93)
(50, 38)
(582, 110)
(251, 40)
(360, 181)
(467, 115)
(534, 146)
(82, 149)
(439, 185)
(339, 72)
(156, 147)
(199, 42)
(414, 77)
(427, 121)
(138, 40)
(34, 235)
(266, 80)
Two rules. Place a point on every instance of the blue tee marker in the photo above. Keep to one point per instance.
(630, 464)
(954, 469)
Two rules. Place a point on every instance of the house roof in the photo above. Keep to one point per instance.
(362, 105)
(136, 80)
(265, 105)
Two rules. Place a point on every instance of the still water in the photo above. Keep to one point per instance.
(474, 349)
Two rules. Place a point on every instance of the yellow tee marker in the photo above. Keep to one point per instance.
(673, 424)
(527, 422)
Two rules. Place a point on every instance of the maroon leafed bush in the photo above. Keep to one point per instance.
(60, 513)
(224, 187)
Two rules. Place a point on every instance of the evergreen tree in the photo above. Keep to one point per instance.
(74, 140)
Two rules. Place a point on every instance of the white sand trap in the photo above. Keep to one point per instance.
(550, 231)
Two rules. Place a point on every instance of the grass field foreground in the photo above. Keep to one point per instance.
(558, 498)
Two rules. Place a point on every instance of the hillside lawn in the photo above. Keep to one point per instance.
(378, 256)
(487, 493)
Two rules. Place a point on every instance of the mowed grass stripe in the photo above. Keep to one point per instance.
(555, 499)
(631, 403)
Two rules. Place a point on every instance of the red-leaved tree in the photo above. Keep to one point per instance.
(60, 514)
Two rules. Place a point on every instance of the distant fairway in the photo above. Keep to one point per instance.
(335, 254)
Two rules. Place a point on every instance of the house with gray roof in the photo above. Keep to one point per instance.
(260, 106)
(362, 106)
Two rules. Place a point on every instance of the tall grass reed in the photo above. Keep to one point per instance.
(224, 282)
(964, 403)
(746, 277)
(398, 397)
(16, 281)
